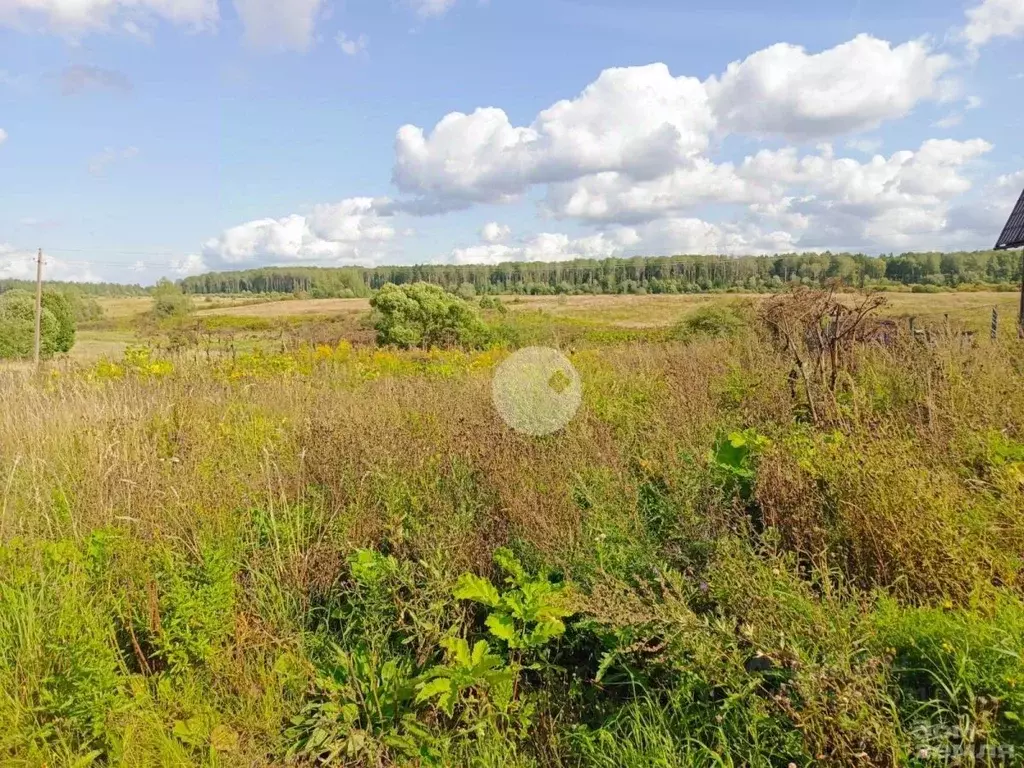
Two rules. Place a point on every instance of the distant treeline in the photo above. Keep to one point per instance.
(640, 274)
(85, 289)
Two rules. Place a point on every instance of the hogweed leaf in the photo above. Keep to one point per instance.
(502, 626)
(477, 589)
(517, 604)
(509, 563)
(480, 652)
(458, 651)
(547, 630)
(439, 686)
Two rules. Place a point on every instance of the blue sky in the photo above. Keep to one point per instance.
(163, 137)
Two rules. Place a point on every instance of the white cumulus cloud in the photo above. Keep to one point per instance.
(17, 82)
(349, 231)
(18, 264)
(925, 177)
(546, 246)
(994, 18)
(3, 135)
(904, 201)
(683, 235)
(644, 123)
(493, 232)
(784, 91)
(192, 264)
(618, 197)
(635, 119)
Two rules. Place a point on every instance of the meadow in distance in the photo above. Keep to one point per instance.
(782, 529)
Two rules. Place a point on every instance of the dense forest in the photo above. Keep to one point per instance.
(663, 274)
(638, 274)
(85, 289)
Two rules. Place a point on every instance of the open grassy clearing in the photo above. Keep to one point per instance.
(117, 307)
(120, 307)
(95, 345)
(652, 310)
(291, 308)
(309, 553)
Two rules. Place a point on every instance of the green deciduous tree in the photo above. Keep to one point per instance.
(169, 300)
(63, 312)
(17, 326)
(423, 315)
(84, 308)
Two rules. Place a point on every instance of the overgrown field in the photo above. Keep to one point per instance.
(340, 554)
(245, 321)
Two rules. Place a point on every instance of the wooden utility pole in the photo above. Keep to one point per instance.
(39, 303)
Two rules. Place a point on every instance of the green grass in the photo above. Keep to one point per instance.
(341, 555)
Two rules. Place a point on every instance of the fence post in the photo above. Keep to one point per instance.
(911, 324)
(995, 323)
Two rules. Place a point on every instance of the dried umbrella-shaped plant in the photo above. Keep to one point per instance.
(819, 331)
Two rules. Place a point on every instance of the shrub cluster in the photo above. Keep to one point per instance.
(424, 316)
(17, 324)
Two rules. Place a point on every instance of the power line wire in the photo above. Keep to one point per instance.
(118, 252)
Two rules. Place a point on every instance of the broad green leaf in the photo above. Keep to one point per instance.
(516, 603)
(547, 630)
(502, 626)
(480, 590)
(535, 592)
(510, 564)
(458, 650)
(553, 609)
(480, 651)
(436, 687)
